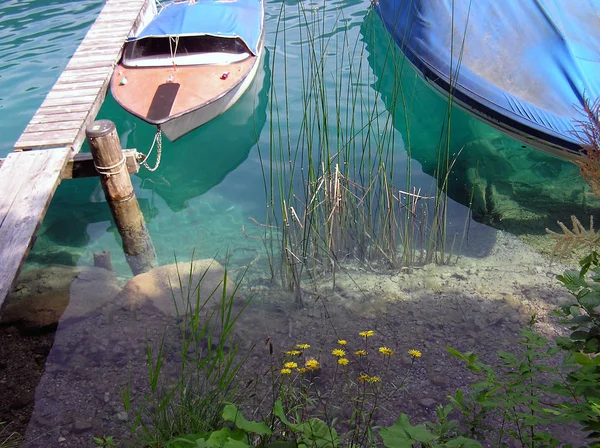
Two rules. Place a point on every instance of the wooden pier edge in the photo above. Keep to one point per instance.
(46, 151)
(23, 204)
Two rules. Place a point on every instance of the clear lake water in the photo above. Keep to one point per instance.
(209, 198)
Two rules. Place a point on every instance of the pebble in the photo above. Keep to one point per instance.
(427, 402)
(81, 425)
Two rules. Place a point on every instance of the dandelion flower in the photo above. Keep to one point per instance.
(338, 352)
(360, 353)
(386, 351)
(312, 364)
(374, 379)
(285, 371)
(290, 365)
(366, 334)
(343, 362)
(293, 353)
(302, 370)
(364, 377)
(342, 341)
(302, 346)
(415, 353)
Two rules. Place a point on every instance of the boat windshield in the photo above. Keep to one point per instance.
(183, 50)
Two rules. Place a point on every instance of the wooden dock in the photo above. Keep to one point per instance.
(47, 150)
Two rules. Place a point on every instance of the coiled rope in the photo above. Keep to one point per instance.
(108, 170)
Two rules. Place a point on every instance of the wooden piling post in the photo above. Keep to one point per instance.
(110, 163)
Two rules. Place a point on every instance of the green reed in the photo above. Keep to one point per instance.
(331, 179)
(210, 357)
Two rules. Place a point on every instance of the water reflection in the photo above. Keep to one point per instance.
(513, 187)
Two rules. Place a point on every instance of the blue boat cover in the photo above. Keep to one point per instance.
(221, 18)
(524, 65)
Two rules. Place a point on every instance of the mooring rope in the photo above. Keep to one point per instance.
(158, 142)
(107, 170)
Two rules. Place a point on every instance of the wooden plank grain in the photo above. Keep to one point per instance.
(32, 140)
(54, 126)
(32, 178)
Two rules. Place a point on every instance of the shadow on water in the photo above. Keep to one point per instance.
(510, 186)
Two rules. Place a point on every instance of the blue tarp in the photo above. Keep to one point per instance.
(523, 65)
(224, 18)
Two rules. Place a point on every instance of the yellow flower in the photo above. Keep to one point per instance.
(366, 334)
(374, 379)
(290, 365)
(302, 346)
(364, 377)
(386, 351)
(343, 362)
(360, 353)
(312, 364)
(293, 353)
(302, 370)
(285, 371)
(415, 353)
(338, 352)
(342, 341)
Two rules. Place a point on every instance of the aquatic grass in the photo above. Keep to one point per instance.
(210, 357)
(331, 180)
(9, 439)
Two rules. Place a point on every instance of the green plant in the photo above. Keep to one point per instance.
(439, 434)
(9, 439)
(105, 441)
(210, 358)
(582, 316)
(331, 178)
(312, 433)
(507, 403)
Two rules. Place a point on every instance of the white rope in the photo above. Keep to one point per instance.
(158, 142)
(107, 170)
(173, 52)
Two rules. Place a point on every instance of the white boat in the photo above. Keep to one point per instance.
(191, 63)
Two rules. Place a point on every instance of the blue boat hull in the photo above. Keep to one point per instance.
(523, 66)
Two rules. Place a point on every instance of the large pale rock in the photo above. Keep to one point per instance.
(174, 291)
(43, 297)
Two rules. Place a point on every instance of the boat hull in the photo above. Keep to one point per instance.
(180, 82)
(187, 122)
(523, 66)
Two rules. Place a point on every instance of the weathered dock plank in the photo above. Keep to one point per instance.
(92, 66)
(44, 154)
(28, 181)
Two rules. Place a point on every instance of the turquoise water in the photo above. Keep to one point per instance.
(210, 191)
(211, 196)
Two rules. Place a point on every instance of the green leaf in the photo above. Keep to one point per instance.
(582, 359)
(232, 443)
(232, 414)
(218, 438)
(579, 335)
(463, 442)
(591, 300)
(592, 346)
(318, 433)
(280, 414)
(403, 435)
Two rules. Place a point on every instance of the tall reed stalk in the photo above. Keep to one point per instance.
(331, 175)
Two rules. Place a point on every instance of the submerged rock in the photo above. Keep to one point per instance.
(43, 297)
(174, 288)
